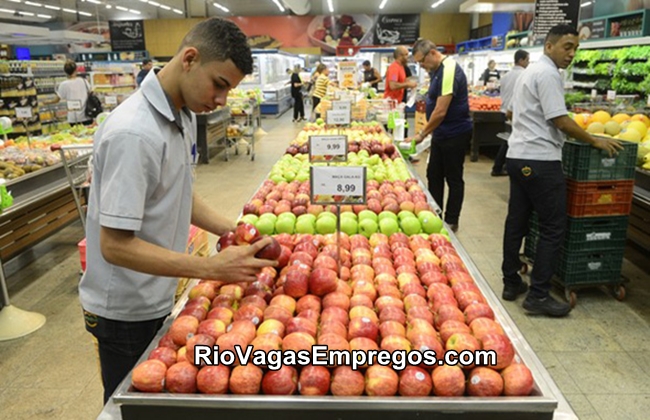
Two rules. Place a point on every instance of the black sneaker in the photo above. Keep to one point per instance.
(453, 227)
(500, 173)
(511, 292)
(546, 306)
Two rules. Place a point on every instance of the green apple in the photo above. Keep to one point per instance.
(349, 215)
(388, 226)
(277, 178)
(406, 214)
(425, 235)
(285, 225)
(326, 225)
(327, 215)
(430, 222)
(302, 176)
(410, 225)
(307, 216)
(363, 154)
(374, 159)
(445, 232)
(349, 226)
(367, 214)
(265, 226)
(367, 227)
(249, 218)
(269, 216)
(305, 226)
(387, 215)
(287, 215)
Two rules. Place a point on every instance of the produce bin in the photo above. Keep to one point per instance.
(487, 125)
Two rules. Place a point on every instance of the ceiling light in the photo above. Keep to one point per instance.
(124, 9)
(277, 3)
(180, 12)
(44, 16)
(436, 4)
(47, 6)
(31, 3)
(218, 6)
(586, 4)
(108, 6)
(25, 13)
(382, 4)
(13, 1)
(135, 12)
(85, 14)
(69, 11)
(144, 1)
(162, 6)
(95, 1)
(153, 3)
(329, 5)
(7, 11)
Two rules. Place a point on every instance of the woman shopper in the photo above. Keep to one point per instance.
(75, 92)
(320, 89)
(296, 94)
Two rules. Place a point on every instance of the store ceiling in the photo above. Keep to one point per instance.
(46, 10)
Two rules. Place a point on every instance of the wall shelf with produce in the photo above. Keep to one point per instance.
(113, 82)
(494, 42)
(620, 26)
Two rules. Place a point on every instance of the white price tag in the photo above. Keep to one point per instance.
(338, 185)
(611, 95)
(328, 148)
(342, 105)
(74, 105)
(24, 112)
(338, 117)
(594, 93)
(111, 100)
(648, 100)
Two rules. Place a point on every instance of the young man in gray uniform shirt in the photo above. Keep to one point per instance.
(534, 164)
(142, 200)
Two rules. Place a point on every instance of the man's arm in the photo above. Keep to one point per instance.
(377, 78)
(436, 118)
(204, 217)
(397, 85)
(234, 264)
(570, 128)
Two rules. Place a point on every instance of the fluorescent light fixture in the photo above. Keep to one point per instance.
(94, 1)
(162, 6)
(25, 13)
(47, 6)
(31, 3)
(7, 11)
(108, 6)
(329, 6)
(44, 16)
(144, 1)
(586, 4)
(382, 4)
(153, 3)
(277, 3)
(85, 14)
(69, 10)
(179, 12)
(14, 1)
(218, 6)
(135, 12)
(124, 9)
(485, 6)
(436, 4)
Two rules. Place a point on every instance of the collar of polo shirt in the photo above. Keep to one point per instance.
(160, 100)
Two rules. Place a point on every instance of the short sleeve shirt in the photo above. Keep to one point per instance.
(395, 73)
(449, 79)
(75, 93)
(537, 99)
(321, 86)
(143, 156)
(508, 82)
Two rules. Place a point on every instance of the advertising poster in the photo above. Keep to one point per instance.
(127, 35)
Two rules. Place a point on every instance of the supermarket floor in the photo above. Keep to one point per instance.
(598, 356)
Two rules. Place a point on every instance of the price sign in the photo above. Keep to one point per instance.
(111, 100)
(594, 93)
(338, 185)
(328, 148)
(24, 112)
(339, 117)
(648, 101)
(611, 95)
(74, 105)
(342, 105)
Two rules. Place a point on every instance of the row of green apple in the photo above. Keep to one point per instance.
(365, 223)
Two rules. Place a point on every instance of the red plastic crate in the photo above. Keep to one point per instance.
(599, 198)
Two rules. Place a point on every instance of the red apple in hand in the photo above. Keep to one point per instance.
(245, 233)
(226, 240)
(271, 251)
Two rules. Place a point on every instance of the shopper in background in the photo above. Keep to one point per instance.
(296, 93)
(75, 92)
(142, 200)
(147, 65)
(448, 119)
(508, 82)
(320, 88)
(534, 161)
(371, 75)
(490, 75)
(396, 81)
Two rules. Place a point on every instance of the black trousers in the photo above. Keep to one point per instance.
(298, 107)
(500, 159)
(446, 165)
(315, 103)
(121, 344)
(539, 186)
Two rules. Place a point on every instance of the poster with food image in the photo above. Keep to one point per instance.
(332, 31)
(95, 28)
(397, 29)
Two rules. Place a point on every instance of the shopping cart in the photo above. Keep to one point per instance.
(244, 119)
(76, 160)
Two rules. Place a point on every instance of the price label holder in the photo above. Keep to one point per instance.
(611, 95)
(594, 93)
(74, 105)
(338, 185)
(338, 117)
(328, 149)
(111, 100)
(648, 101)
(24, 113)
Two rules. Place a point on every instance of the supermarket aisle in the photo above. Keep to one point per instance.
(598, 356)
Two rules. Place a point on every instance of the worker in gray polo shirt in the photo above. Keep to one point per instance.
(534, 164)
(142, 200)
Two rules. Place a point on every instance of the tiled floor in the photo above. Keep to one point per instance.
(598, 356)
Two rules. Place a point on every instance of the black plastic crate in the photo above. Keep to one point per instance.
(590, 267)
(582, 162)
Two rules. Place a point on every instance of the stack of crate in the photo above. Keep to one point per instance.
(599, 200)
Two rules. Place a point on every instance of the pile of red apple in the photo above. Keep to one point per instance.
(247, 234)
(373, 147)
(393, 196)
(396, 293)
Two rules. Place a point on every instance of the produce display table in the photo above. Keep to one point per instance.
(639, 228)
(211, 131)
(545, 402)
(487, 125)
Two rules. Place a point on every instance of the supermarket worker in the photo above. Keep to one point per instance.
(449, 121)
(534, 163)
(142, 202)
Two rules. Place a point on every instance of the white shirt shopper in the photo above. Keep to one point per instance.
(75, 92)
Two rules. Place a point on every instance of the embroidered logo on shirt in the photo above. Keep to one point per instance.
(526, 171)
(91, 319)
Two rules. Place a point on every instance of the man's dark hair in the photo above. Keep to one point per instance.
(146, 61)
(69, 67)
(558, 31)
(219, 39)
(520, 55)
(366, 63)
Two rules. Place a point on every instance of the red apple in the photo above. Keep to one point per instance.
(298, 341)
(362, 327)
(433, 277)
(149, 376)
(223, 301)
(364, 312)
(422, 312)
(313, 316)
(448, 381)
(271, 251)
(226, 240)
(335, 314)
(503, 348)
(449, 328)
(228, 341)
(212, 327)
(181, 378)
(447, 312)
(387, 328)
(361, 300)
(484, 382)
(250, 313)
(183, 328)
(365, 345)
(244, 327)
(166, 341)
(517, 380)
(392, 313)
(419, 326)
(254, 300)
(164, 354)
(438, 290)
(483, 326)
(322, 281)
(314, 380)
(394, 343)
(283, 381)
(277, 312)
(381, 381)
(205, 290)
(302, 325)
(285, 301)
(308, 302)
(196, 311)
(213, 379)
(460, 342)
(245, 233)
(246, 380)
(478, 310)
(333, 327)
(337, 299)
(415, 382)
(347, 382)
